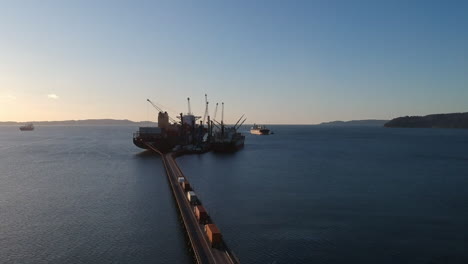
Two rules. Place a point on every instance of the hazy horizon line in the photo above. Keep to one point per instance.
(148, 121)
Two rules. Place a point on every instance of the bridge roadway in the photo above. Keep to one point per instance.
(202, 249)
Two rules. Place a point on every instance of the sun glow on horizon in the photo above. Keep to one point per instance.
(301, 63)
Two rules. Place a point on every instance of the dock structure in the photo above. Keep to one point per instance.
(203, 247)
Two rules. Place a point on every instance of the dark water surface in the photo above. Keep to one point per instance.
(340, 195)
(304, 195)
(83, 195)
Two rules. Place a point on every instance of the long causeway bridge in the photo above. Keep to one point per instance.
(203, 247)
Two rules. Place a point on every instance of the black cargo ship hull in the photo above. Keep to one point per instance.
(162, 145)
(232, 146)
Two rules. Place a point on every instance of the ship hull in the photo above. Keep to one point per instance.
(260, 131)
(162, 145)
(26, 129)
(227, 146)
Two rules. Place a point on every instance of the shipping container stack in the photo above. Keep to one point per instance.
(214, 235)
(211, 230)
(186, 186)
(180, 180)
(201, 214)
(192, 198)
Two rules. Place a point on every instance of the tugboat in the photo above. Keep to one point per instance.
(27, 127)
(227, 139)
(259, 130)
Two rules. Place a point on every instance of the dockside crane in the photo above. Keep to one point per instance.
(160, 110)
(222, 113)
(236, 127)
(189, 109)
(239, 120)
(222, 118)
(206, 109)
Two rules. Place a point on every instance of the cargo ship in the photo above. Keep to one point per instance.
(170, 133)
(187, 135)
(163, 139)
(27, 127)
(259, 130)
(227, 139)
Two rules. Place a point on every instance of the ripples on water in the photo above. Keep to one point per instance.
(82, 195)
(304, 195)
(340, 195)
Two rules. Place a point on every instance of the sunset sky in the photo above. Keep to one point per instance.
(282, 62)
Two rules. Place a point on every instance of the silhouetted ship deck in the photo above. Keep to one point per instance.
(164, 137)
(172, 139)
(186, 133)
(227, 139)
(27, 127)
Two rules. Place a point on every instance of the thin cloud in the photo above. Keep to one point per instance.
(8, 97)
(53, 96)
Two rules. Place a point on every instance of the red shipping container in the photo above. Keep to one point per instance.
(201, 214)
(214, 235)
(187, 186)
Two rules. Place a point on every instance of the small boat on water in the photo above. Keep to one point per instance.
(259, 130)
(27, 127)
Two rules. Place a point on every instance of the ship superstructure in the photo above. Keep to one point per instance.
(227, 138)
(170, 132)
(259, 130)
(186, 133)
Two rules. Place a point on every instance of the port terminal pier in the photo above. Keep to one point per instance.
(205, 238)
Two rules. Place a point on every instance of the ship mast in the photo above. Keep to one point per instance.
(189, 110)
(222, 118)
(206, 109)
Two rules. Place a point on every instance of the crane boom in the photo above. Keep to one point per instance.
(222, 113)
(239, 120)
(240, 124)
(206, 109)
(154, 105)
(188, 102)
(160, 110)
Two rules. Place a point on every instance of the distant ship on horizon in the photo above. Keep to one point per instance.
(27, 127)
(259, 130)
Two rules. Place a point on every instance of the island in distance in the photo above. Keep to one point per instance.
(352, 123)
(86, 122)
(454, 120)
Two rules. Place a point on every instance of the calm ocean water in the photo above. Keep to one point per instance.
(306, 194)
